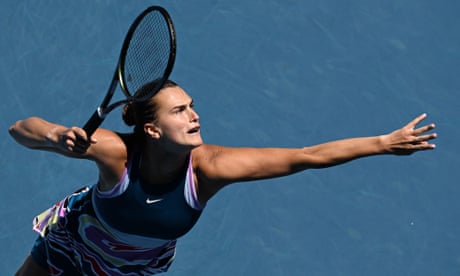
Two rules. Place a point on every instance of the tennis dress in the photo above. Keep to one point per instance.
(124, 231)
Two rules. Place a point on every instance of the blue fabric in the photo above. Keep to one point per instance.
(77, 244)
(165, 216)
(38, 252)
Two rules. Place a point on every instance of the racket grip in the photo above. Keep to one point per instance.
(93, 123)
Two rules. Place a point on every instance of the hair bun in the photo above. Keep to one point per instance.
(128, 114)
(138, 113)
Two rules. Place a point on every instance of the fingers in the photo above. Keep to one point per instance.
(422, 142)
(424, 129)
(417, 120)
(418, 131)
(412, 139)
(82, 142)
(76, 140)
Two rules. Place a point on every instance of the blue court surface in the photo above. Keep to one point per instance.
(263, 73)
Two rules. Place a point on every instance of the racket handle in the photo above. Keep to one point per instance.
(93, 123)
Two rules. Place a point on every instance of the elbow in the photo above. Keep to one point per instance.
(13, 129)
(20, 133)
(15, 132)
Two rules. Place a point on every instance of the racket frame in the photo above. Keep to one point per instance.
(118, 77)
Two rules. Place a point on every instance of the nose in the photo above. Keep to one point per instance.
(194, 117)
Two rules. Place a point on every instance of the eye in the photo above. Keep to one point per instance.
(179, 109)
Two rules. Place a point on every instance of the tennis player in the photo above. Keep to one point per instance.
(154, 183)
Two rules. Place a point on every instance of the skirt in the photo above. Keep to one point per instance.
(72, 241)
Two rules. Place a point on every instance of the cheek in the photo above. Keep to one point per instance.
(172, 128)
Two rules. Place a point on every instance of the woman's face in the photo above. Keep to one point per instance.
(176, 124)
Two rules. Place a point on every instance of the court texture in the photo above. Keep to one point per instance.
(263, 73)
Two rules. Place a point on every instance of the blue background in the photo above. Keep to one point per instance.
(263, 73)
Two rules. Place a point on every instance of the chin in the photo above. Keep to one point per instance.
(192, 143)
(197, 144)
(196, 139)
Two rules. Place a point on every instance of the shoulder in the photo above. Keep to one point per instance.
(216, 164)
(106, 139)
(206, 155)
(111, 153)
(202, 159)
(205, 152)
(111, 147)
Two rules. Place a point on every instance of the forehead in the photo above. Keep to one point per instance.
(172, 96)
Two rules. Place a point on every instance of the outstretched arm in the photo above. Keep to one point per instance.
(403, 141)
(218, 166)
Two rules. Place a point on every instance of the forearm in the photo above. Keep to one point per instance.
(35, 133)
(341, 151)
(230, 165)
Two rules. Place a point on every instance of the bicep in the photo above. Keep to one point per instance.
(226, 165)
(216, 167)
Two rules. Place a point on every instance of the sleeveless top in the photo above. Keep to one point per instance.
(133, 215)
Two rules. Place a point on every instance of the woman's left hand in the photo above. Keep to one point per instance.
(409, 139)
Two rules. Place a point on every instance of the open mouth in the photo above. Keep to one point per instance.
(194, 130)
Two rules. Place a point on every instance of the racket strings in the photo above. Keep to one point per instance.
(148, 54)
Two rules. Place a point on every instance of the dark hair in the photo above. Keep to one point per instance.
(138, 113)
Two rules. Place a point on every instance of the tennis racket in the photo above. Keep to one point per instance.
(145, 63)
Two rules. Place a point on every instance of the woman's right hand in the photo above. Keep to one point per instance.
(36, 133)
(73, 139)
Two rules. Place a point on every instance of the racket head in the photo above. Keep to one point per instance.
(147, 55)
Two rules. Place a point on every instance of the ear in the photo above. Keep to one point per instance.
(152, 130)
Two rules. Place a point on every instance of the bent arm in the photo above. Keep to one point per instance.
(108, 149)
(36, 133)
(103, 146)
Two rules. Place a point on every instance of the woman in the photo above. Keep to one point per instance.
(154, 183)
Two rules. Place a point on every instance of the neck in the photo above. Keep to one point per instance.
(159, 169)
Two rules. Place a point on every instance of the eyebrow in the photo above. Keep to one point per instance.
(183, 105)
